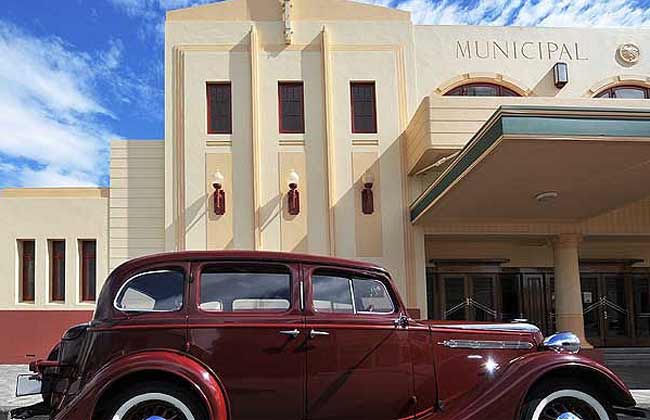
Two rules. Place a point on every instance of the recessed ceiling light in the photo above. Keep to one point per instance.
(547, 196)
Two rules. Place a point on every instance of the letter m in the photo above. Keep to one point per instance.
(463, 51)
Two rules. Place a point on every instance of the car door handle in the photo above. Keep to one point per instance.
(292, 333)
(314, 333)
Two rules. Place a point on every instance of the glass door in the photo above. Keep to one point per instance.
(469, 297)
(606, 309)
(641, 292)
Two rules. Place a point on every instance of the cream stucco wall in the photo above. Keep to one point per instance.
(41, 215)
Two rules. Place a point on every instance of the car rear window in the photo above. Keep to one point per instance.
(154, 291)
(245, 291)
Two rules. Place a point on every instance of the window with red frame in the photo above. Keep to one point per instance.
(27, 249)
(88, 270)
(481, 89)
(219, 108)
(57, 271)
(364, 107)
(291, 107)
(625, 92)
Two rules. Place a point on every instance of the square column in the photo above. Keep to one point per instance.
(568, 293)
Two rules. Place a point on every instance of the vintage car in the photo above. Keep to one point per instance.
(262, 335)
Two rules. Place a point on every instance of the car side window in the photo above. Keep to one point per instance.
(153, 291)
(343, 294)
(240, 290)
(371, 296)
(332, 294)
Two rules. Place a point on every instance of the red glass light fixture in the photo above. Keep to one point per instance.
(219, 196)
(293, 196)
(367, 196)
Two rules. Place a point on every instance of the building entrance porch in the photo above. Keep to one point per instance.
(615, 297)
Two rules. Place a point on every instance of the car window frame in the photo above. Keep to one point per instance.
(350, 273)
(294, 279)
(151, 311)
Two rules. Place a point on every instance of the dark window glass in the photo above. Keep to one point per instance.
(236, 291)
(88, 270)
(155, 291)
(292, 107)
(219, 108)
(625, 92)
(57, 271)
(481, 89)
(332, 294)
(371, 296)
(364, 109)
(28, 269)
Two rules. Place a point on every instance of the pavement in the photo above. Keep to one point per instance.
(8, 400)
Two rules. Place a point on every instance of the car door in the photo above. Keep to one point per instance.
(358, 360)
(247, 325)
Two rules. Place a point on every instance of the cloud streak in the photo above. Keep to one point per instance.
(559, 13)
(54, 127)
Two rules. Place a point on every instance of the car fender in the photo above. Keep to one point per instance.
(503, 394)
(204, 382)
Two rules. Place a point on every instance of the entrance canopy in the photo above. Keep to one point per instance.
(544, 163)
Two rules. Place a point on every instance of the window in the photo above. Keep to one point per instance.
(625, 92)
(219, 108)
(241, 290)
(57, 271)
(153, 291)
(481, 89)
(292, 107)
(338, 294)
(27, 255)
(364, 108)
(88, 270)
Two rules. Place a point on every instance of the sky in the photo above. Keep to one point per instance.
(76, 74)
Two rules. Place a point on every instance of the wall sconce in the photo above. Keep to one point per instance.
(219, 196)
(293, 196)
(367, 197)
(560, 75)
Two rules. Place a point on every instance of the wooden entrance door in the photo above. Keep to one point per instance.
(537, 300)
(641, 318)
(468, 296)
(606, 308)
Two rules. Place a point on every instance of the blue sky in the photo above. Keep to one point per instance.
(75, 74)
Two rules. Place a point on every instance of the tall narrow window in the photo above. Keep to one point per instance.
(364, 107)
(57, 271)
(88, 270)
(219, 108)
(292, 107)
(27, 253)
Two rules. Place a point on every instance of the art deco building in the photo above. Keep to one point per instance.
(498, 173)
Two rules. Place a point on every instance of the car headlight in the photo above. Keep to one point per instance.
(563, 341)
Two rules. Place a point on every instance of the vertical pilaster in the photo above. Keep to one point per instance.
(329, 136)
(568, 293)
(255, 135)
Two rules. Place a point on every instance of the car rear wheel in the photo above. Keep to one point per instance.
(566, 401)
(154, 401)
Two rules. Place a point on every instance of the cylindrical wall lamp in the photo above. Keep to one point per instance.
(219, 196)
(293, 196)
(367, 197)
(560, 75)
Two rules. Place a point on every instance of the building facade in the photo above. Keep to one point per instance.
(498, 173)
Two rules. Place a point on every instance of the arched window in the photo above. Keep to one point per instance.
(625, 92)
(481, 89)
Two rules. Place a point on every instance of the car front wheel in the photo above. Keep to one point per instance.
(154, 401)
(566, 402)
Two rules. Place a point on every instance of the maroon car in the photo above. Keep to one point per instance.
(261, 335)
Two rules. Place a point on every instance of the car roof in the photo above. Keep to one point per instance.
(236, 255)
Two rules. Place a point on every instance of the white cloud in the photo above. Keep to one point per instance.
(50, 117)
(578, 13)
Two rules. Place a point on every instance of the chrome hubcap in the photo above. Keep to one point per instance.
(154, 410)
(568, 416)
